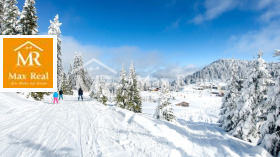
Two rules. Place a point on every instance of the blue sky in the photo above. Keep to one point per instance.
(160, 35)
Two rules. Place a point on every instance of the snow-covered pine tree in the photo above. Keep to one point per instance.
(164, 109)
(270, 130)
(146, 83)
(92, 89)
(95, 91)
(103, 99)
(77, 75)
(101, 93)
(28, 18)
(134, 99)
(65, 85)
(140, 84)
(79, 69)
(87, 78)
(229, 105)
(147, 86)
(70, 77)
(277, 52)
(122, 90)
(252, 102)
(219, 70)
(54, 29)
(10, 17)
(1, 15)
(73, 71)
(112, 90)
(112, 87)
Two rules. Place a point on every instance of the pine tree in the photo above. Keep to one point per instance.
(54, 29)
(277, 52)
(1, 15)
(104, 100)
(270, 130)
(38, 95)
(229, 105)
(27, 22)
(252, 102)
(87, 79)
(134, 99)
(70, 77)
(77, 75)
(112, 91)
(28, 18)
(122, 90)
(95, 91)
(164, 110)
(78, 70)
(102, 95)
(81, 78)
(65, 85)
(10, 18)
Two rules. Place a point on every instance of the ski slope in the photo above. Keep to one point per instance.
(76, 128)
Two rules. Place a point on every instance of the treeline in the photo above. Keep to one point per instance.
(251, 106)
(220, 71)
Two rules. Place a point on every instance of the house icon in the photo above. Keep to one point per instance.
(33, 54)
(28, 45)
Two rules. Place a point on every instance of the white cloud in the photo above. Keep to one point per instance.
(272, 12)
(261, 4)
(267, 39)
(70, 46)
(174, 25)
(214, 8)
(172, 71)
(146, 62)
(113, 57)
(268, 9)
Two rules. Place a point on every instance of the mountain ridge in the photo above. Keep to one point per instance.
(220, 71)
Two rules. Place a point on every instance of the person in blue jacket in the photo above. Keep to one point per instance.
(55, 97)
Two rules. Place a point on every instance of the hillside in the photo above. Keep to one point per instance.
(72, 128)
(220, 71)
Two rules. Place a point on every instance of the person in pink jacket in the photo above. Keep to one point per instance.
(55, 97)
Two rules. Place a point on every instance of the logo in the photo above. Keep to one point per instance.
(28, 46)
(29, 63)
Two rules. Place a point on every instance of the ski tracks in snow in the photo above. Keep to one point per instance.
(87, 129)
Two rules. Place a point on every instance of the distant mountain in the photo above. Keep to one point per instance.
(220, 71)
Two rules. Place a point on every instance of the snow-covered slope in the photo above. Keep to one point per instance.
(88, 128)
(221, 69)
(10, 101)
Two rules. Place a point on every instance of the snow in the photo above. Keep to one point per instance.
(11, 101)
(88, 128)
(204, 106)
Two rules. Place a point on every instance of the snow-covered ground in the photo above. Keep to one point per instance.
(204, 106)
(88, 128)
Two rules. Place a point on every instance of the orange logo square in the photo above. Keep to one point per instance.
(28, 63)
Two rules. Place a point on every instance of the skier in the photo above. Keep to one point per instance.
(80, 92)
(61, 94)
(55, 95)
